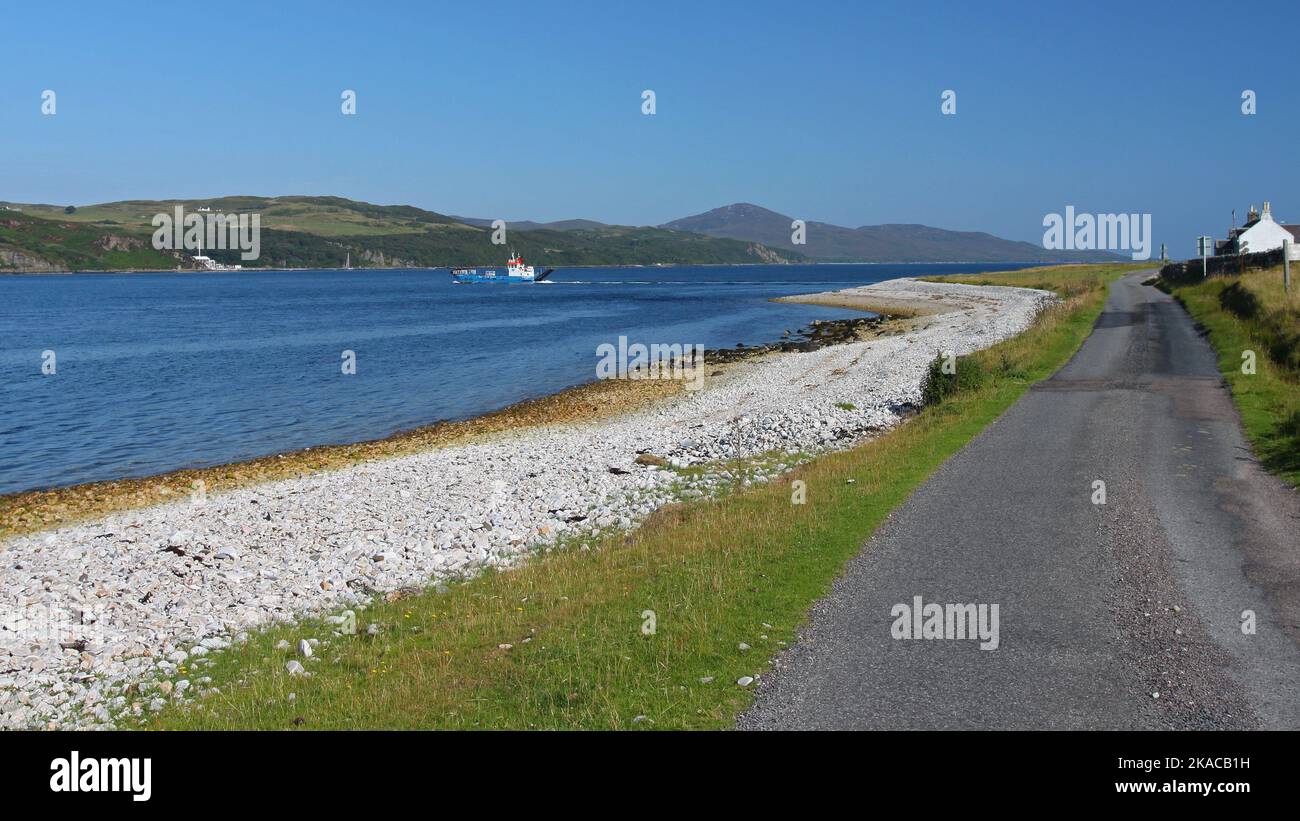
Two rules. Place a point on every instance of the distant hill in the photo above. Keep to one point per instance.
(529, 225)
(871, 243)
(324, 232)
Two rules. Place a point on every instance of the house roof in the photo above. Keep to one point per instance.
(1294, 229)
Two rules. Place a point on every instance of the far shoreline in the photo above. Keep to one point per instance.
(96, 272)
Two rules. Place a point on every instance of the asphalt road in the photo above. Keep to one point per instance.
(1101, 606)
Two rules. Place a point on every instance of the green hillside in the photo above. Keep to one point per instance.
(28, 243)
(309, 232)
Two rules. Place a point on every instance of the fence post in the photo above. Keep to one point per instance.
(1286, 265)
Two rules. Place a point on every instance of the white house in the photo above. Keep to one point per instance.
(1260, 233)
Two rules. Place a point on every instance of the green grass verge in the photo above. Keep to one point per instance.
(1253, 313)
(559, 643)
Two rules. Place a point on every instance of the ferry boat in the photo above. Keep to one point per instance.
(516, 271)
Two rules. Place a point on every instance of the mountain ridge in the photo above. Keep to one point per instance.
(888, 242)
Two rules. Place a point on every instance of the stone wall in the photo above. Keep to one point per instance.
(1190, 270)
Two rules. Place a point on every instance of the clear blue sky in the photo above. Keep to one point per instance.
(824, 111)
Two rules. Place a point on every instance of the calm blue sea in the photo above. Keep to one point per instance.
(163, 371)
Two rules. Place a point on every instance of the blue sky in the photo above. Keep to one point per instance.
(824, 111)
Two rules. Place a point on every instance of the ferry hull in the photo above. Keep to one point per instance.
(465, 277)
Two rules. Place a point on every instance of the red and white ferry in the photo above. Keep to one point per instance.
(516, 271)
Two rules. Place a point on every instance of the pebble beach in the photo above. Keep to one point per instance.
(132, 596)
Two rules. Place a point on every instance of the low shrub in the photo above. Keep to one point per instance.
(937, 385)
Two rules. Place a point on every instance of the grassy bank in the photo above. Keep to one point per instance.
(1253, 313)
(563, 641)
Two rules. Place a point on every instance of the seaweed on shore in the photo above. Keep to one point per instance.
(814, 336)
